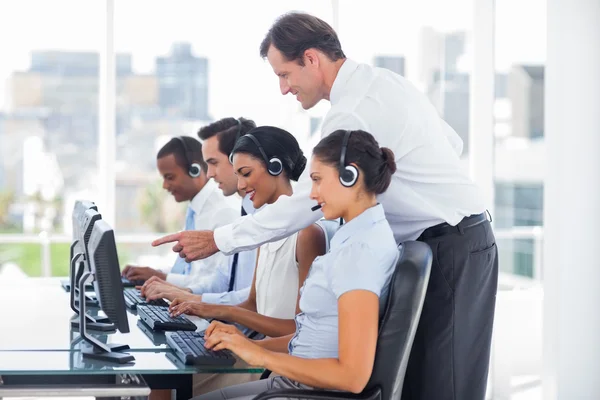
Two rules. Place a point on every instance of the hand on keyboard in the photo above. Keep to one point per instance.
(138, 273)
(189, 347)
(133, 297)
(240, 345)
(158, 318)
(218, 326)
(156, 288)
(199, 309)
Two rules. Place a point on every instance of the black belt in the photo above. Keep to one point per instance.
(447, 229)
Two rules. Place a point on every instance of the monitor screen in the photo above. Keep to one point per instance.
(104, 264)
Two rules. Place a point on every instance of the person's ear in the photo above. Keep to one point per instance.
(311, 58)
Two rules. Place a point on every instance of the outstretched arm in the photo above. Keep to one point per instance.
(286, 216)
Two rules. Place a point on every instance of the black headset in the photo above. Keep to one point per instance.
(348, 173)
(274, 164)
(193, 169)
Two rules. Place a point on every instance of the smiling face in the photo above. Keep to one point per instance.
(327, 190)
(303, 81)
(253, 178)
(219, 167)
(176, 179)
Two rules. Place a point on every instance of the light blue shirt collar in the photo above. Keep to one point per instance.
(360, 223)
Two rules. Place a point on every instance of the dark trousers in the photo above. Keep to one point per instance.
(450, 355)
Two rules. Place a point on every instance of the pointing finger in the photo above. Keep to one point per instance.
(174, 237)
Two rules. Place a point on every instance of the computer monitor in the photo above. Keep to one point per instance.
(80, 266)
(104, 268)
(80, 207)
(87, 220)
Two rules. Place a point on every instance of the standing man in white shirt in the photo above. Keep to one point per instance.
(183, 169)
(430, 199)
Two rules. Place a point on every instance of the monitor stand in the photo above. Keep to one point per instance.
(90, 301)
(98, 324)
(99, 351)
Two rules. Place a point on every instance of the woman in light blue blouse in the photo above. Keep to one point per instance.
(346, 289)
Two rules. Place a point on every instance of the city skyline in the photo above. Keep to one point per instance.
(421, 44)
(391, 33)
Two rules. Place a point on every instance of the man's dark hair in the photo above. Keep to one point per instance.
(294, 33)
(228, 130)
(175, 147)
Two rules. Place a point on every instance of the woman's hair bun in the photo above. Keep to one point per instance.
(388, 157)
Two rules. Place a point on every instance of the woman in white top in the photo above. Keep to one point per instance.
(265, 160)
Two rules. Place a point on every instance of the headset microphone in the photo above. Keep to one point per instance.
(315, 208)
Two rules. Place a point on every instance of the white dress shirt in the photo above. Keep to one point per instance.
(244, 273)
(429, 186)
(211, 211)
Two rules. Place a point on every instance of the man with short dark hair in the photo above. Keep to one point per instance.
(430, 199)
(183, 170)
(218, 140)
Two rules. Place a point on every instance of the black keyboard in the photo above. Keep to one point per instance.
(158, 318)
(157, 337)
(133, 297)
(189, 348)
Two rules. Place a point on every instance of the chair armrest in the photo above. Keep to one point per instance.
(374, 394)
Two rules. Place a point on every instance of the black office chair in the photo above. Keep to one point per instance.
(396, 331)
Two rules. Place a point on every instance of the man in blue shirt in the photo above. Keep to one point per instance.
(183, 170)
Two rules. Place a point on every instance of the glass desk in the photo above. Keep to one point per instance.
(38, 346)
(35, 315)
(66, 373)
(72, 363)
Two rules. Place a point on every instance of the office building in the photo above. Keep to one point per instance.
(393, 63)
(183, 83)
(526, 93)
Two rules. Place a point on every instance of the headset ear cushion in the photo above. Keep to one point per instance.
(231, 158)
(194, 170)
(349, 175)
(275, 166)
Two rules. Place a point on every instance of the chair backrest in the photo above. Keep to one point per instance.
(400, 319)
(329, 228)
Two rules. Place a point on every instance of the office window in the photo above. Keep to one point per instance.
(171, 81)
(48, 125)
(519, 205)
(431, 49)
(520, 52)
